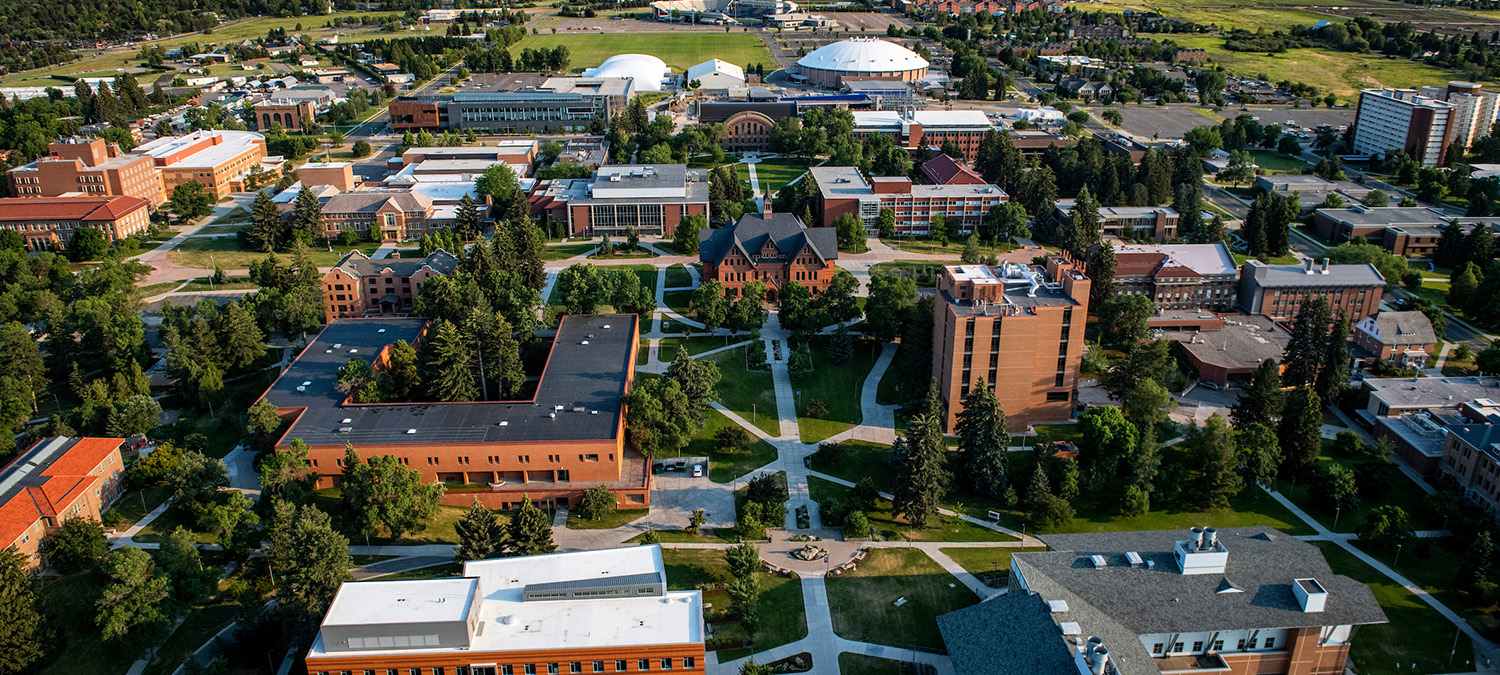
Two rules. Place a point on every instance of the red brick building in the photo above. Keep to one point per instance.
(47, 222)
(359, 286)
(843, 189)
(944, 170)
(1011, 327)
(773, 248)
(90, 166)
(1403, 338)
(52, 481)
(567, 437)
(652, 198)
(1278, 291)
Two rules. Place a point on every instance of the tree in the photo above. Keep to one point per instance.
(22, 633)
(76, 546)
(240, 340)
(597, 502)
(1213, 448)
(837, 304)
(198, 478)
(1261, 402)
(466, 220)
(447, 363)
(87, 243)
(709, 305)
(1081, 229)
(1006, 220)
(1300, 430)
(1187, 201)
(660, 418)
(183, 568)
(310, 558)
(1123, 318)
(1240, 169)
(1203, 140)
(886, 307)
(1335, 486)
(480, 534)
(384, 492)
(743, 560)
(699, 381)
(748, 312)
(1259, 455)
(1384, 526)
(132, 610)
(189, 201)
(531, 530)
(1307, 347)
(851, 233)
(685, 237)
(1479, 561)
(983, 441)
(921, 479)
(1333, 378)
(1108, 439)
(1147, 403)
(885, 223)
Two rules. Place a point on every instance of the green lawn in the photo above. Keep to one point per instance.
(135, 504)
(225, 253)
(694, 345)
(678, 301)
(69, 601)
(1431, 565)
(200, 626)
(837, 386)
(954, 248)
(618, 518)
(857, 460)
(565, 251)
(1402, 492)
(863, 602)
(175, 516)
(439, 530)
(725, 536)
(1416, 634)
(1251, 507)
(782, 616)
(679, 50)
(225, 228)
(678, 277)
(751, 394)
(1343, 73)
(859, 664)
(1287, 259)
(1275, 162)
(885, 525)
(774, 174)
(451, 569)
(233, 284)
(725, 466)
(990, 565)
(888, 391)
(924, 272)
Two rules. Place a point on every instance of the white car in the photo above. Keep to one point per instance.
(697, 470)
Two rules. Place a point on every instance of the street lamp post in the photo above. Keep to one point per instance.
(1336, 511)
(1397, 561)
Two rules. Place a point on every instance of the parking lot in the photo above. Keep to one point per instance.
(1173, 121)
(674, 496)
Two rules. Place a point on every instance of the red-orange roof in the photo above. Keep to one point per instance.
(66, 479)
(81, 459)
(87, 208)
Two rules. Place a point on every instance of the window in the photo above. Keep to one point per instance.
(620, 666)
(1156, 648)
(575, 667)
(1250, 644)
(1240, 645)
(1176, 646)
(688, 663)
(666, 664)
(1270, 643)
(552, 669)
(1197, 646)
(1218, 646)
(507, 670)
(530, 669)
(598, 666)
(643, 665)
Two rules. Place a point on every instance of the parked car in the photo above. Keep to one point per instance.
(697, 470)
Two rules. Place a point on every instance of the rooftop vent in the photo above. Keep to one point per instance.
(504, 423)
(1098, 561)
(301, 388)
(584, 342)
(345, 430)
(1070, 628)
(1310, 594)
(1201, 552)
(1134, 559)
(606, 326)
(347, 420)
(382, 330)
(1057, 605)
(307, 383)
(411, 431)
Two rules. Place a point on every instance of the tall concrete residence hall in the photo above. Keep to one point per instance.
(52, 481)
(569, 436)
(1239, 601)
(602, 611)
(773, 248)
(1012, 325)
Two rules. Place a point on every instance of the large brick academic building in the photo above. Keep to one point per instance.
(569, 436)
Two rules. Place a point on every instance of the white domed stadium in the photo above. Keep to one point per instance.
(647, 71)
(862, 57)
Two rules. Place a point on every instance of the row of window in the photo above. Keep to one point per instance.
(574, 668)
(1218, 646)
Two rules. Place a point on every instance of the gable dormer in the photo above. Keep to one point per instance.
(769, 250)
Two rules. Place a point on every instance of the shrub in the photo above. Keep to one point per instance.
(817, 408)
(733, 438)
(856, 525)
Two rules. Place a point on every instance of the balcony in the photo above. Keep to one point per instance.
(1192, 663)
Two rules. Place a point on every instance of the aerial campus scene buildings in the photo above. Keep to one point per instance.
(935, 337)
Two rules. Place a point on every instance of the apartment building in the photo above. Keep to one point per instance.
(1278, 291)
(569, 436)
(89, 166)
(218, 159)
(1012, 327)
(1391, 119)
(1236, 601)
(925, 128)
(603, 611)
(46, 223)
(652, 198)
(1125, 222)
(384, 214)
(845, 190)
(1474, 111)
(358, 286)
(772, 248)
(1404, 231)
(54, 480)
(1414, 412)
(1403, 338)
(558, 104)
(1178, 276)
(1471, 452)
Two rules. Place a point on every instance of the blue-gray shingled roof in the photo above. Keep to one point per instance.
(751, 232)
(1008, 635)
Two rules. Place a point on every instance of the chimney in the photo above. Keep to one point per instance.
(1308, 265)
(1325, 266)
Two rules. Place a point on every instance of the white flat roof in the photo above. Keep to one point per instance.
(979, 274)
(952, 118)
(508, 624)
(235, 142)
(414, 601)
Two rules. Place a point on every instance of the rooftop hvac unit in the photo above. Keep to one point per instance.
(411, 431)
(380, 331)
(504, 423)
(301, 388)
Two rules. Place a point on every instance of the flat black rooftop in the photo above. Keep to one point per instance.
(585, 380)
